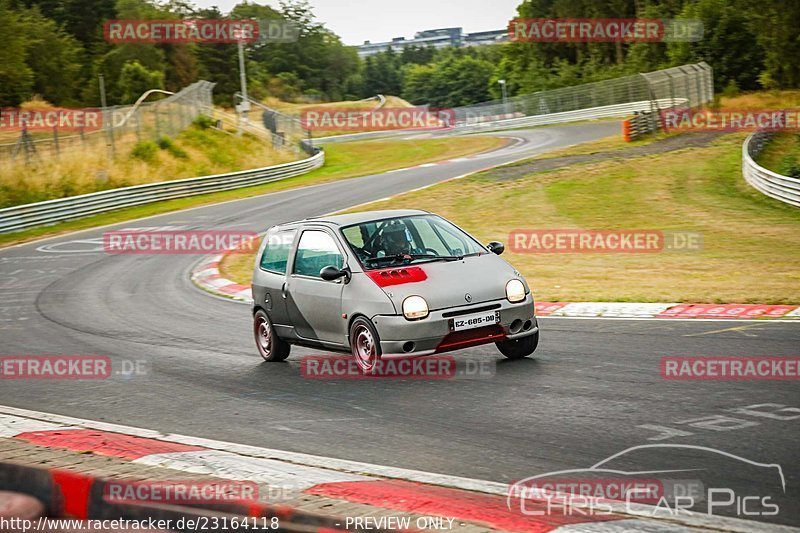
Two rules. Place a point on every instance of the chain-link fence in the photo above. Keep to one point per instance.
(286, 131)
(690, 85)
(119, 129)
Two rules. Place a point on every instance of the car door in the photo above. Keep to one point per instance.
(269, 284)
(315, 305)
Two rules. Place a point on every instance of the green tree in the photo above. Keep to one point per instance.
(450, 82)
(83, 19)
(181, 66)
(136, 79)
(418, 83)
(54, 57)
(776, 25)
(728, 44)
(16, 78)
(382, 74)
(319, 59)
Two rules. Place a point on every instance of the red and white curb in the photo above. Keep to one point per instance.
(384, 488)
(206, 275)
(667, 310)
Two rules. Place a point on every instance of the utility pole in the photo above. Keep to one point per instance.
(109, 144)
(244, 105)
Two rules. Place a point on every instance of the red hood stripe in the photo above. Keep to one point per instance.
(397, 276)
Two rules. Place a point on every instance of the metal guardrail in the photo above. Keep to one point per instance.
(62, 209)
(592, 113)
(774, 185)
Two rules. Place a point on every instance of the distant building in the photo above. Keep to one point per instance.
(438, 38)
(480, 38)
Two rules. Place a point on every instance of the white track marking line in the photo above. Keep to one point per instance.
(289, 476)
(626, 526)
(11, 426)
(340, 465)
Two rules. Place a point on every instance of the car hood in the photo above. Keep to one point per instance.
(446, 284)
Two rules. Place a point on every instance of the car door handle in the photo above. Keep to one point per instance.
(283, 290)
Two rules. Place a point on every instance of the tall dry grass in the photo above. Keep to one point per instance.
(761, 100)
(84, 168)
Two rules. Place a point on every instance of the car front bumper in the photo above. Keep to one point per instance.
(414, 338)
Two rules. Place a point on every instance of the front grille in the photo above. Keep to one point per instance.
(471, 337)
(469, 311)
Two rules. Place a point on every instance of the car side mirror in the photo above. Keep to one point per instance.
(496, 247)
(331, 273)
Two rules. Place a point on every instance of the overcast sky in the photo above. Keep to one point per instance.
(356, 21)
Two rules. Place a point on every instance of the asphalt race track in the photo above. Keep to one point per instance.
(594, 390)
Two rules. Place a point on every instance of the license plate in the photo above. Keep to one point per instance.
(475, 320)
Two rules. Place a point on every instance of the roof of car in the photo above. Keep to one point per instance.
(358, 218)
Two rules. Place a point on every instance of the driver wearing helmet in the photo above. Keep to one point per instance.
(395, 241)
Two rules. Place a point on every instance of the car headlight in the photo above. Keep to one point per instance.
(515, 291)
(415, 307)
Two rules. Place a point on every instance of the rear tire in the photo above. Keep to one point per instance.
(519, 348)
(271, 347)
(365, 345)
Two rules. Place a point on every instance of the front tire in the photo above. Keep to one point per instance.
(365, 345)
(271, 347)
(519, 348)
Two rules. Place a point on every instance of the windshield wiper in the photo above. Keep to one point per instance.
(441, 257)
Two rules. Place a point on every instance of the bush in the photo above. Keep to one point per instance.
(145, 151)
(731, 89)
(204, 122)
(790, 167)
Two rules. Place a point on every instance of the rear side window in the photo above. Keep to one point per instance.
(276, 253)
(315, 251)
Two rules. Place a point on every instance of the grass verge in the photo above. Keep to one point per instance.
(346, 160)
(782, 154)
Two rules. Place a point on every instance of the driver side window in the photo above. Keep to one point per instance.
(315, 251)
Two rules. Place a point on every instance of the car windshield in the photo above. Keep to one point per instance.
(406, 240)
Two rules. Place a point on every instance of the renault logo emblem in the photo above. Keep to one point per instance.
(468, 297)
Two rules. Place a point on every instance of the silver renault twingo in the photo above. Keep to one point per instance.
(403, 283)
